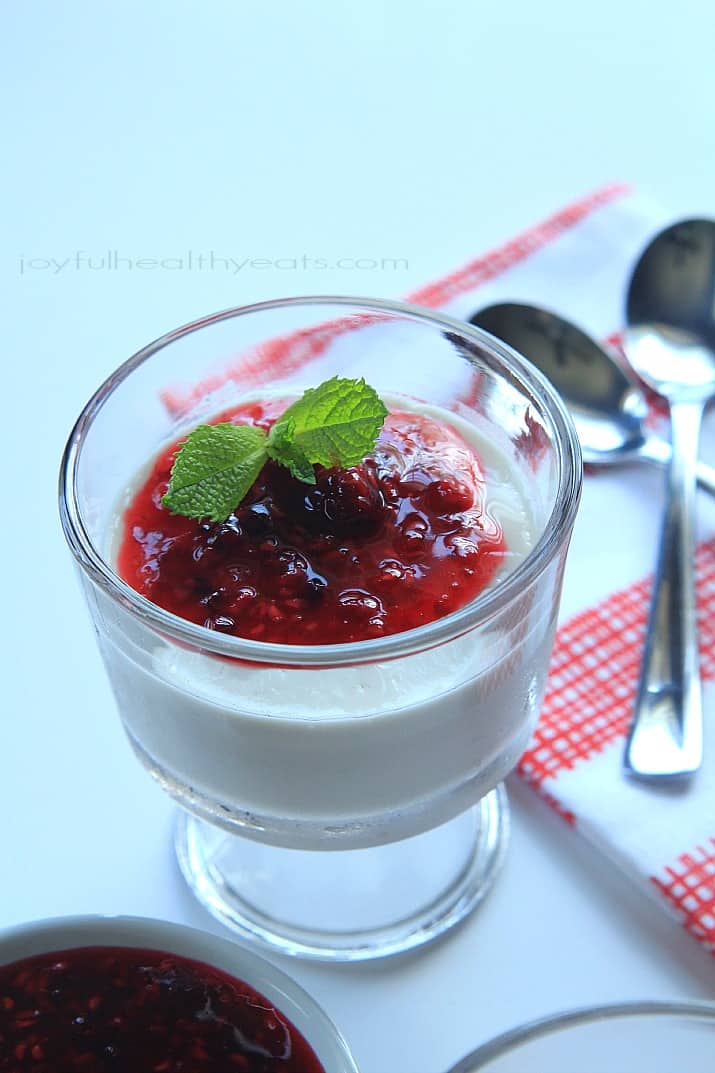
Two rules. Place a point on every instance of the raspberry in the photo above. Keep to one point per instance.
(360, 603)
(414, 532)
(448, 497)
(346, 501)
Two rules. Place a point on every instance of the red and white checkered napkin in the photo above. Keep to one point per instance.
(664, 835)
(578, 263)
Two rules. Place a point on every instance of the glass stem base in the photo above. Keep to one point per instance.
(346, 905)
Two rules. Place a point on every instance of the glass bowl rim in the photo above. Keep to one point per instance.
(514, 1038)
(474, 613)
(132, 931)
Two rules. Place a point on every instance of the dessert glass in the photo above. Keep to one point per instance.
(339, 801)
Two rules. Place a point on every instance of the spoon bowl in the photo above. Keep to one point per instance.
(607, 403)
(670, 338)
(607, 406)
(673, 284)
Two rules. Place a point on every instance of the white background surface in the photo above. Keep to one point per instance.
(424, 131)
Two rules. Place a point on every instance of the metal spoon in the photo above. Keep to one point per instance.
(607, 405)
(670, 342)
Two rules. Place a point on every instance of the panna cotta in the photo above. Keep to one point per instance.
(354, 754)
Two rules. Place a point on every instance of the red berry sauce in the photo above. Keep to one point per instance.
(395, 542)
(118, 1010)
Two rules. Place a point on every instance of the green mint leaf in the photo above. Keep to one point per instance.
(283, 448)
(216, 466)
(335, 424)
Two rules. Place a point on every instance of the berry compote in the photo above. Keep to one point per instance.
(120, 1010)
(395, 542)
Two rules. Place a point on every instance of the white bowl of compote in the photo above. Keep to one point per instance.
(83, 994)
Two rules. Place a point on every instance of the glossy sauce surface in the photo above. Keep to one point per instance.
(121, 1010)
(397, 541)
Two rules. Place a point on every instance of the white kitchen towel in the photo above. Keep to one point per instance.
(662, 835)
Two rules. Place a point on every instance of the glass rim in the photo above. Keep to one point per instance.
(529, 380)
(514, 1038)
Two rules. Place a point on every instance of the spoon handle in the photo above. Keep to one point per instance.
(665, 738)
(656, 450)
(706, 477)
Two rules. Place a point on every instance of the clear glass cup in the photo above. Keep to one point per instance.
(633, 1037)
(340, 801)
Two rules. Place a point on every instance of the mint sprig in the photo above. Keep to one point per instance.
(334, 424)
